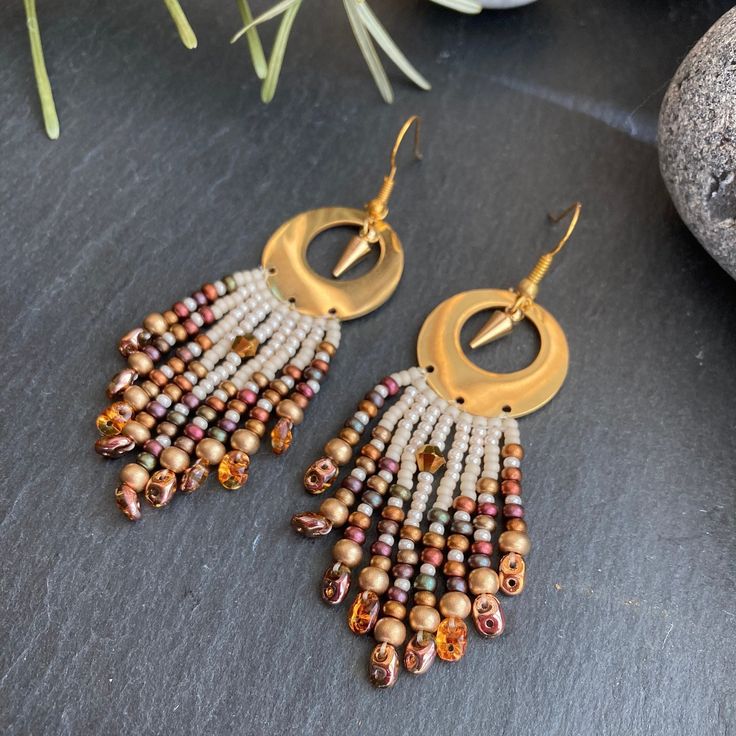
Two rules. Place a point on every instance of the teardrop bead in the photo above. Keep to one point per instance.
(320, 475)
(488, 616)
(160, 488)
(281, 435)
(114, 418)
(194, 476)
(121, 381)
(132, 341)
(363, 614)
(383, 668)
(114, 446)
(233, 470)
(452, 639)
(335, 584)
(420, 652)
(128, 502)
(310, 524)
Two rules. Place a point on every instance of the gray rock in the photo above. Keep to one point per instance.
(697, 141)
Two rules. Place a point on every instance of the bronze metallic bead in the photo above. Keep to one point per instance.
(393, 513)
(158, 377)
(454, 569)
(411, 532)
(378, 484)
(256, 427)
(347, 552)
(236, 405)
(179, 332)
(394, 609)
(177, 364)
(259, 414)
(273, 396)
(214, 403)
(168, 428)
(368, 407)
(486, 485)
(463, 503)
(136, 397)
(346, 496)
(518, 542)
(151, 389)
(483, 580)
(174, 458)
(246, 441)
(513, 450)
(203, 341)
(424, 618)
(173, 392)
(432, 539)
(390, 630)
(140, 362)
(516, 525)
(320, 365)
(381, 433)
(458, 541)
(334, 510)
(137, 432)
(293, 371)
(370, 451)
(374, 579)
(229, 388)
(350, 436)
(359, 519)
(287, 408)
(380, 561)
(280, 387)
(339, 450)
(327, 347)
(407, 556)
(367, 464)
(134, 476)
(197, 368)
(455, 604)
(144, 418)
(171, 317)
(207, 413)
(511, 474)
(259, 379)
(425, 598)
(485, 522)
(183, 383)
(155, 324)
(211, 451)
(510, 486)
(187, 444)
(300, 400)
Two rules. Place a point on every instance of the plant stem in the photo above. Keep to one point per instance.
(182, 24)
(48, 109)
(254, 41)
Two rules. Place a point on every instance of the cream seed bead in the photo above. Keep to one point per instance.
(395, 502)
(482, 535)
(511, 498)
(164, 440)
(511, 462)
(406, 544)
(387, 538)
(366, 509)
(402, 584)
(455, 555)
(436, 527)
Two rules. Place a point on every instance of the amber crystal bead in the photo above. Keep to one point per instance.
(246, 346)
(383, 667)
(420, 652)
(310, 524)
(127, 500)
(452, 639)
(232, 471)
(161, 487)
(429, 459)
(281, 435)
(335, 584)
(194, 476)
(320, 475)
(114, 418)
(364, 612)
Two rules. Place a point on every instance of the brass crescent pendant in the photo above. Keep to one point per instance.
(455, 378)
(291, 278)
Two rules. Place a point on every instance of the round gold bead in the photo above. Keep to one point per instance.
(509, 541)
(390, 630)
(339, 450)
(178, 332)
(327, 347)
(484, 522)
(411, 532)
(155, 323)
(380, 561)
(260, 380)
(373, 578)
(210, 450)
(407, 556)
(346, 496)
(424, 618)
(136, 431)
(136, 397)
(515, 525)
(513, 450)
(151, 389)
(367, 464)
(256, 426)
(171, 317)
(245, 440)
(174, 458)
(381, 433)
(229, 387)
(135, 476)
(455, 604)
(458, 541)
(425, 598)
(359, 519)
(347, 552)
(432, 539)
(487, 485)
(274, 397)
(197, 368)
(280, 387)
(288, 409)
(336, 511)
(146, 420)
(350, 436)
(368, 407)
(378, 484)
(483, 580)
(173, 392)
(395, 610)
(140, 362)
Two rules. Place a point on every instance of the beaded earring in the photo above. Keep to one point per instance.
(447, 401)
(253, 344)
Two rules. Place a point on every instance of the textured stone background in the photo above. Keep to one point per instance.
(205, 618)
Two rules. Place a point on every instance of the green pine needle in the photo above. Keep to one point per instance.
(182, 24)
(48, 108)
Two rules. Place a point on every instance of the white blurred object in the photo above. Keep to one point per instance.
(499, 4)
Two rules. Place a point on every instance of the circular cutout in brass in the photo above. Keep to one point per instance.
(291, 278)
(484, 393)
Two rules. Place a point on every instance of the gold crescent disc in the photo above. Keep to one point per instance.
(291, 278)
(455, 378)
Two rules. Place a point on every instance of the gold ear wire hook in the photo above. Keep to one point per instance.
(502, 322)
(377, 209)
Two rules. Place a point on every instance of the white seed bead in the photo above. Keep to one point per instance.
(428, 569)
(436, 527)
(406, 544)
(402, 584)
(512, 498)
(455, 555)
(366, 509)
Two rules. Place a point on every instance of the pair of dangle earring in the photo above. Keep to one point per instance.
(205, 379)
(449, 443)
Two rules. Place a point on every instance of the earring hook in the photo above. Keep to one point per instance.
(502, 322)
(377, 209)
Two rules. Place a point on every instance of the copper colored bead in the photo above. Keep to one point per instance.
(411, 532)
(300, 400)
(259, 414)
(237, 405)
(485, 522)
(270, 395)
(128, 502)
(214, 403)
(173, 392)
(339, 450)
(350, 436)
(454, 569)
(486, 485)
(158, 377)
(393, 513)
(432, 539)
(183, 383)
(203, 341)
(210, 292)
(513, 450)
(425, 598)
(368, 407)
(256, 426)
(367, 464)
(171, 317)
(359, 519)
(279, 387)
(260, 380)
(327, 347)
(177, 365)
(370, 451)
(463, 503)
(145, 419)
(458, 541)
(510, 486)
(346, 496)
(378, 484)
(293, 371)
(185, 443)
(229, 388)
(178, 332)
(167, 428)
(380, 561)
(432, 556)
(511, 474)
(516, 525)
(395, 610)
(407, 557)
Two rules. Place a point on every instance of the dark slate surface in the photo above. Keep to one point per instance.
(205, 618)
